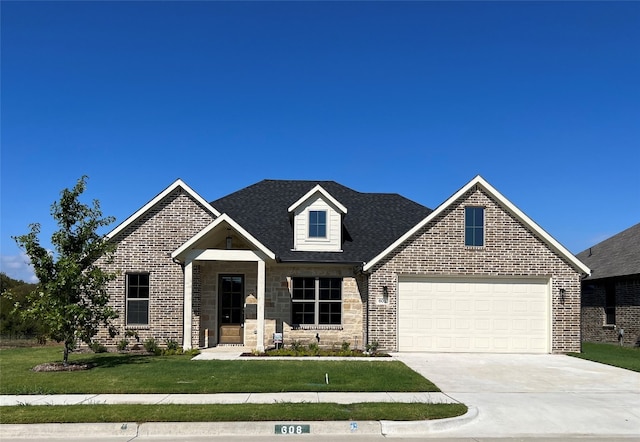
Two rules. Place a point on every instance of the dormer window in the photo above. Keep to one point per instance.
(317, 224)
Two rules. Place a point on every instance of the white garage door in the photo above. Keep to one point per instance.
(473, 315)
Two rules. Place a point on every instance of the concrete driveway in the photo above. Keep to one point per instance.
(535, 395)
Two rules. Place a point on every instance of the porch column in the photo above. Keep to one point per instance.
(261, 284)
(188, 307)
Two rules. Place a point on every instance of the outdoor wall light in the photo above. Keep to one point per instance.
(385, 294)
(562, 292)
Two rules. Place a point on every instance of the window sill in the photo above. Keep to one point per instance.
(137, 327)
(316, 327)
(608, 326)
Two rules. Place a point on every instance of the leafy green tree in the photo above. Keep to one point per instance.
(12, 324)
(71, 299)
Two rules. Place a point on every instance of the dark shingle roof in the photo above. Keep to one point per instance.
(616, 256)
(373, 220)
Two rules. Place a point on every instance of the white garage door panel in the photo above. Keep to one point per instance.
(479, 315)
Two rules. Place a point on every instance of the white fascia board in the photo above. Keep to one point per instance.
(177, 183)
(478, 180)
(550, 240)
(224, 218)
(318, 188)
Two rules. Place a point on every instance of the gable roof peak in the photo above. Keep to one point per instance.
(326, 195)
(508, 205)
(178, 183)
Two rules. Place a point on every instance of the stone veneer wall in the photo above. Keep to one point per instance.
(278, 303)
(145, 246)
(209, 272)
(594, 328)
(278, 307)
(510, 250)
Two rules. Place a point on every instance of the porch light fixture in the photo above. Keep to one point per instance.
(385, 294)
(562, 292)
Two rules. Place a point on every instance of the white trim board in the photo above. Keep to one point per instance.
(521, 216)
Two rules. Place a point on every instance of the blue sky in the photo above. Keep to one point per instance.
(542, 99)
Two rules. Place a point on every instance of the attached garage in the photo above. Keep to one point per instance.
(474, 315)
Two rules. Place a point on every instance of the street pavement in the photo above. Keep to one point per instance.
(509, 396)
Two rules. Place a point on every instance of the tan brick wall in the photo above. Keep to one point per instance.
(510, 250)
(145, 246)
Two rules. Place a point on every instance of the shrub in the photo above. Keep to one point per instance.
(172, 345)
(297, 347)
(314, 348)
(345, 347)
(97, 347)
(152, 346)
(373, 347)
(122, 345)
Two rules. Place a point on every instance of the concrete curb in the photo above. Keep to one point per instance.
(406, 428)
(202, 429)
(68, 431)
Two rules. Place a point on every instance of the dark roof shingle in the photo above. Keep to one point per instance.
(373, 220)
(616, 256)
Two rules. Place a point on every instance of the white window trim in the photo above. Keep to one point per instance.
(319, 239)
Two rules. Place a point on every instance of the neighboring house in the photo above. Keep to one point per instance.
(611, 295)
(320, 262)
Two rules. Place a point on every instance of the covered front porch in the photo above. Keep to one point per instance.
(224, 287)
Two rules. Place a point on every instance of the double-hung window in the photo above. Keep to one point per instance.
(316, 301)
(474, 226)
(317, 224)
(137, 298)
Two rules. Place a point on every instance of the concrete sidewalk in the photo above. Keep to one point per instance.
(224, 398)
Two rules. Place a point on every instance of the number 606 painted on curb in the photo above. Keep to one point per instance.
(292, 429)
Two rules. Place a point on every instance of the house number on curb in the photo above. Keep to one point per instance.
(293, 429)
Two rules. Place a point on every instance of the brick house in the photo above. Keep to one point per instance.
(320, 262)
(611, 294)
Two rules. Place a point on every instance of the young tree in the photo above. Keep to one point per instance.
(71, 299)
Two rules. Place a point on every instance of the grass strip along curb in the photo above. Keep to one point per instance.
(228, 412)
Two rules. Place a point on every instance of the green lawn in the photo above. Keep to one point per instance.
(228, 413)
(623, 357)
(126, 373)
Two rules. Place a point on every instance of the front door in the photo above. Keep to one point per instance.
(231, 302)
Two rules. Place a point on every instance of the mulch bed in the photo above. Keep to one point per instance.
(59, 366)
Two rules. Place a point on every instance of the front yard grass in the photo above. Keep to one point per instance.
(127, 373)
(610, 354)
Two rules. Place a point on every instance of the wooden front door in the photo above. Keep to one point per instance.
(231, 303)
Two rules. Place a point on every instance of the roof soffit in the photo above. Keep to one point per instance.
(219, 229)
